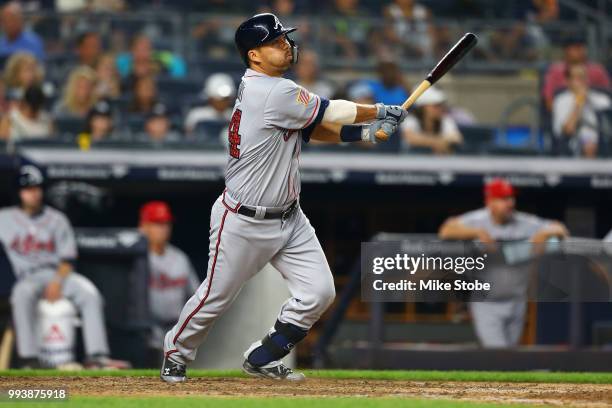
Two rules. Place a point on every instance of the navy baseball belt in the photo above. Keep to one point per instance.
(282, 215)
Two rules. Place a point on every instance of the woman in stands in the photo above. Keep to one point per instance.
(431, 127)
(79, 95)
(27, 119)
(22, 70)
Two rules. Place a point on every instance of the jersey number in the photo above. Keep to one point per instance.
(234, 137)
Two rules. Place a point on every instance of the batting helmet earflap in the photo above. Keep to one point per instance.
(260, 29)
(29, 176)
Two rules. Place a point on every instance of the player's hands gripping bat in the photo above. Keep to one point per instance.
(463, 46)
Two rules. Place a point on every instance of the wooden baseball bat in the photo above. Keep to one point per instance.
(463, 46)
(6, 348)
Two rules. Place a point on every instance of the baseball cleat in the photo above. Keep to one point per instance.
(172, 372)
(275, 370)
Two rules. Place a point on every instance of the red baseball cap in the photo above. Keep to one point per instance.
(156, 211)
(498, 188)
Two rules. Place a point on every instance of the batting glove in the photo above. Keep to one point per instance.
(389, 126)
(390, 111)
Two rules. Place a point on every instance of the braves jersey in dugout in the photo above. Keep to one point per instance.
(35, 243)
(265, 135)
(172, 281)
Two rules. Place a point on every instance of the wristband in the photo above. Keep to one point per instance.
(381, 111)
(355, 133)
(351, 133)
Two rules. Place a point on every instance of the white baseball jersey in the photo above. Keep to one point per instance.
(172, 281)
(265, 139)
(36, 243)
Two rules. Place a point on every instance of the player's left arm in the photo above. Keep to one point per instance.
(336, 133)
(550, 230)
(65, 246)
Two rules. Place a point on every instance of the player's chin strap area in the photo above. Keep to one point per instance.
(276, 344)
(294, 51)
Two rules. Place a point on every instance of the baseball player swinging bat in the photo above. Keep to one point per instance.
(463, 46)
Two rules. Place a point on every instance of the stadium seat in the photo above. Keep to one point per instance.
(476, 139)
(209, 132)
(135, 123)
(173, 89)
(69, 125)
(604, 121)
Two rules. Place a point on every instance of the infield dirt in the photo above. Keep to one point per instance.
(584, 395)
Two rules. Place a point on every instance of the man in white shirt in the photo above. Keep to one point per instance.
(575, 112)
(220, 91)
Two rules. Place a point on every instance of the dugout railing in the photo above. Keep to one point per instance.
(558, 305)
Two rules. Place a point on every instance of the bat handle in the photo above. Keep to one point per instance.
(381, 134)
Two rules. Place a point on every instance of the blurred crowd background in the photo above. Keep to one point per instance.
(165, 73)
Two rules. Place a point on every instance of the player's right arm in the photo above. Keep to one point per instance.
(455, 228)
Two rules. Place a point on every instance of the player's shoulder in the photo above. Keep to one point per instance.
(477, 214)
(8, 211)
(522, 217)
(176, 252)
(55, 215)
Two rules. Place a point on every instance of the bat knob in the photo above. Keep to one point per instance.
(381, 136)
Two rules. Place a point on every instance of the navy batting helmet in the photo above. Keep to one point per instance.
(260, 29)
(29, 176)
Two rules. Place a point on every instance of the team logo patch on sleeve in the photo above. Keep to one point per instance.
(303, 97)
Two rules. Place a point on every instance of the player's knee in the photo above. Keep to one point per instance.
(87, 292)
(23, 291)
(324, 297)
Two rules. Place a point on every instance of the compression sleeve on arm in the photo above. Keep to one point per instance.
(341, 112)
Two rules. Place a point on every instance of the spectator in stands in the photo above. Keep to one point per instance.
(574, 52)
(157, 126)
(220, 92)
(99, 125)
(526, 39)
(15, 37)
(28, 118)
(431, 127)
(309, 75)
(108, 82)
(361, 92)
(79, 94)
(143, 60)
(390, 88)
(499, 320)
(408, 27)
(41, 247)
(21, 71)
(4, 101)
(89, 48)
(145, 95)
(575, 110)
(172, 278)
(350, 34)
